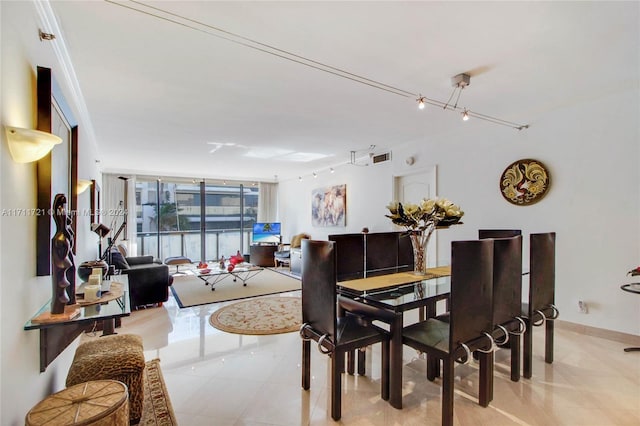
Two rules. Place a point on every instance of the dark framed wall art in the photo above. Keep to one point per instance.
(57, 172)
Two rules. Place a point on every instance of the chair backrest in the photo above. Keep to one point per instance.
(498, 233)
(350, 255)
(471, 290)
(507, 279)
(542, 272)
(387, 253)
(319, 286)
(381, 253)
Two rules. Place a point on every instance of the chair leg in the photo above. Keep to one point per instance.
(548, 342)
(485, 393)
(527, 351)
(337, 367)
(433, 368)
(385, 370)
(515, 357)
(362, 359)
(306, 364)
(351, 362)
(447, 391)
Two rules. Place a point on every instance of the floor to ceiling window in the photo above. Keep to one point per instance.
(202, 220)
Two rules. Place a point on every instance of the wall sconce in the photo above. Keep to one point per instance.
(82, 186)
(28, 145)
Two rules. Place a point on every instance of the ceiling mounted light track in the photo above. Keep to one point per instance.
(220, 33)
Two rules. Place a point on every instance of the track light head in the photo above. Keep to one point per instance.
(465, 115)
(420, 102)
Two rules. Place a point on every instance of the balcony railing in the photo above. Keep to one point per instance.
(218, 243)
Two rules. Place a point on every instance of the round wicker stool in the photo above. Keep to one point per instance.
(96, 403)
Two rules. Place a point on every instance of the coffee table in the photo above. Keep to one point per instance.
(213, 276)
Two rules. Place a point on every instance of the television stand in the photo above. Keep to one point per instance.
(262, 255)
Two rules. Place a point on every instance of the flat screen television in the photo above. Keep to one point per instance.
(266, 233)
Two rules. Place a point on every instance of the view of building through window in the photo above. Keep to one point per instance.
(169, 218)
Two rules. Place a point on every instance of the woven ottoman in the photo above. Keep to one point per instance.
(116, 357)
(97, 403)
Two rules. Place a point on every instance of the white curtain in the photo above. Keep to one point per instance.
(114, 207)
(268, 202)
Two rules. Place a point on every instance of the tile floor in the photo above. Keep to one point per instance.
(216, 378)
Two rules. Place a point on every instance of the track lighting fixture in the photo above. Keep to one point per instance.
(315, 175)
(332, 170)
(460, 80)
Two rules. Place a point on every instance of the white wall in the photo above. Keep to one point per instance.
(21, 292)
(592, 151)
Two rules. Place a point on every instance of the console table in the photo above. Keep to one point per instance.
(262, 255)
(55, 336)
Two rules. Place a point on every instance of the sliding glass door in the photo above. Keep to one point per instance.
(199, 220)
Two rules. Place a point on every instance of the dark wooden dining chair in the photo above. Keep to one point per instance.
(470, 322)
(507, 294)
(540, 310)
(508, 326)
(498, 233)
(335, 336)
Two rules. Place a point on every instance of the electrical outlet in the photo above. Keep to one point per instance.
(582, 305)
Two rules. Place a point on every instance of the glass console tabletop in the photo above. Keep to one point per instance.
(112, 309)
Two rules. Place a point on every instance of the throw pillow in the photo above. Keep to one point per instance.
(118, 260)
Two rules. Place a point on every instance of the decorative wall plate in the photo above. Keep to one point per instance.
(524, 182)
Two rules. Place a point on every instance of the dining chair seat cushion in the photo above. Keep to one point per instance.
(431, 333)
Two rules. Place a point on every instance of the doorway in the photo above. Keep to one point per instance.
(412, 188)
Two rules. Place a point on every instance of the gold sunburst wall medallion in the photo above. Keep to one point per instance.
(525, 182)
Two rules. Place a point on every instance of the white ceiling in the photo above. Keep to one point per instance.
(161, 96)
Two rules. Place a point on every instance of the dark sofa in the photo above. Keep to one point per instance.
(149, 280)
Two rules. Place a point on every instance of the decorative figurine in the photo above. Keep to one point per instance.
(71, 272)
(61, 255)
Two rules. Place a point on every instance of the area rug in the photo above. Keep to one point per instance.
(157, 410)
(265, 315)
(189, 290)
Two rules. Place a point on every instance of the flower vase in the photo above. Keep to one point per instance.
(419, 241)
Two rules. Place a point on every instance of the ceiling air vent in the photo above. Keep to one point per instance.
(380, 158)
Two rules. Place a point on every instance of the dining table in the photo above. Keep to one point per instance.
(386, 298)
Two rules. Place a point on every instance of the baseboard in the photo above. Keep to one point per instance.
(616, 336)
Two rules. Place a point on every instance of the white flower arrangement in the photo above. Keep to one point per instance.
(429, 213)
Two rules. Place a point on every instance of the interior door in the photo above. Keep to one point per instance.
(412, 188)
